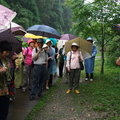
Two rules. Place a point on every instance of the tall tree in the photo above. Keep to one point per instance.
(95, 19)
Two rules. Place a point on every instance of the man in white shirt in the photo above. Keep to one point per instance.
(40, 58)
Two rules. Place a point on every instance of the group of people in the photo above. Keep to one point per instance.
(35, 67)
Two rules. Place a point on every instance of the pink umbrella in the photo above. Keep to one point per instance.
(15, 29)
(67, 37)
(6, 16)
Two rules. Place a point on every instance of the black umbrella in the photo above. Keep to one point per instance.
(9, 37)
(44, 30)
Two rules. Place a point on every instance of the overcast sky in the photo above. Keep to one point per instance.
(87, 1)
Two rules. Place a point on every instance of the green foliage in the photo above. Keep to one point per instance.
(50, 12)
(113, 49)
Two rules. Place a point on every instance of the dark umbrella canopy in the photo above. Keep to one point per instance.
(44, 30)
(67, 37)
(9, 37)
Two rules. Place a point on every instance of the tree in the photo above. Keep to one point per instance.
(95, 19)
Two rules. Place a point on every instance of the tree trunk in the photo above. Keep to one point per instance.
(102, 57)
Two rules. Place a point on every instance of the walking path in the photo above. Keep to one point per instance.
(20, 108)
(60, 107)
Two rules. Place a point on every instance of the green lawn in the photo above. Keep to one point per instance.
(104, 93)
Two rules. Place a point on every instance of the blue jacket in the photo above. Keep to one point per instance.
(89, 63)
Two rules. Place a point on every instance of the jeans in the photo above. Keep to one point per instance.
(38, 79)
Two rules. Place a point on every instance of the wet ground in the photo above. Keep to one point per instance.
(20, 108)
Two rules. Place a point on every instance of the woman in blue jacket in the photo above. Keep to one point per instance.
(89, 63)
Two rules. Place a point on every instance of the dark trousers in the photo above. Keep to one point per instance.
(61, 65)
(38, 79)
(4, 106)
(74, 78)
(89, 75)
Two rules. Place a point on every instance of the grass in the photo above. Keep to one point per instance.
(43, 101)
(103, 94)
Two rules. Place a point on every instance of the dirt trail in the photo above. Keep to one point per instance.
(63, 107)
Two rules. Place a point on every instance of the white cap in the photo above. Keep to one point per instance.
(44, 46)
(63, 43)
(48, 40)
(90, 38)
(75, 44)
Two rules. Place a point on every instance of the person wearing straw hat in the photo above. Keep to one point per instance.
(89, 63)
(74, 57)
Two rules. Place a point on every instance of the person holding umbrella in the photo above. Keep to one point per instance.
(5, 76)
(89, 63)
(74, 57)
(40, 58)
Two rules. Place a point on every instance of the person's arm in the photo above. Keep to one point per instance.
(94, 51)
(68, 61)
(80, 56)
(35, 55)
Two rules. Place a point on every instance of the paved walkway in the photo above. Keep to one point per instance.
(20, 108)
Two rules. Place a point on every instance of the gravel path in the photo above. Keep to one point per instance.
(63, 107)
(60, 107)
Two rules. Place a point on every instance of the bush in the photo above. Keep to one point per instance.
(113, 51)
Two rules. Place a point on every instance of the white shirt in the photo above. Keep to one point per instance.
(74, 63)
(42, 57)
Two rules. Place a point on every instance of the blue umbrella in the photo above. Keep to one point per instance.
(44, 30)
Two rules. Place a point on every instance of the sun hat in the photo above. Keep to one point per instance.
(48, 40)
(75, 44)
(30, 41)
(90, 38)
(44, 46)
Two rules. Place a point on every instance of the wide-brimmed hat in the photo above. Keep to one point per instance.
(90, 38)
(75, 44)
(44, 46)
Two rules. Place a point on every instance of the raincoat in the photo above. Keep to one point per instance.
(52, 63)
(89, 63)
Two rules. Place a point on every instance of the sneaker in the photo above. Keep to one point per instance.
(47, 88)
(91, 79)
(68, 91)
(77, 91)
(86, 79)
(23, 89)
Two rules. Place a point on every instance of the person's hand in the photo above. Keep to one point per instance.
(68, 69)
(3, 69)
(80, 58)
(50, 58)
